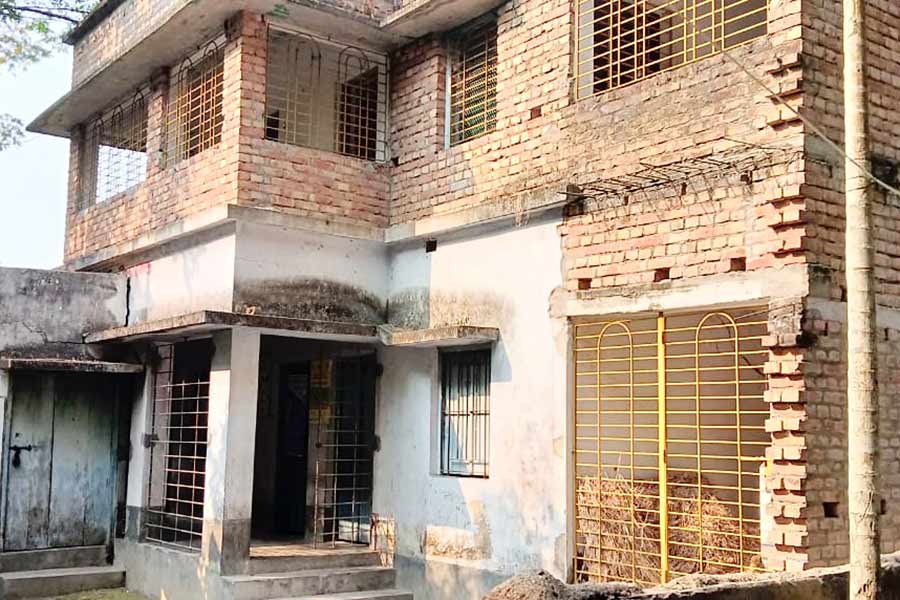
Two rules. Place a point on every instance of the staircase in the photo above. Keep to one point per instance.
(43, 573)
(333, 576)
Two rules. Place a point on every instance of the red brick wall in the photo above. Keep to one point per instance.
(826, 367)
(243, 168)
(291, 179)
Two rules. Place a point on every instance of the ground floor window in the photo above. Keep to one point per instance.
(465, 412)
(178, 445)
(669, 445)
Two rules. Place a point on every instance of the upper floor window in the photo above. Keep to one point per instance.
(623, 41)
(465, 412)
(194, 116)
(473, 81)
(114, 152)
(325, 96)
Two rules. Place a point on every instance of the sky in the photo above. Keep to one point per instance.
(33, 177)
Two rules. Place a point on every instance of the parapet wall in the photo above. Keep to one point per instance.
(47, 312)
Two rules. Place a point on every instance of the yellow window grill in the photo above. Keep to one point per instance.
(669, 445)
(194, 114)
(473, 82)
(624, 41)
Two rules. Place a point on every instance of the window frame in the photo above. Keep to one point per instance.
(353, 122)
(475, 458)
(456, 44)
(180, 113)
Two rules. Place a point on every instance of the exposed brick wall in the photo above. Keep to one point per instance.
(128, 24)
(291, 179)
(824, 189)
(243, 168)
(826, 379)
(826, 367)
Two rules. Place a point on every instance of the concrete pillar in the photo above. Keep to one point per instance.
(5, 399)
(139, 460)
(230, 450)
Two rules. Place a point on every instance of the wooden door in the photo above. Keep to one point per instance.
(60, 462)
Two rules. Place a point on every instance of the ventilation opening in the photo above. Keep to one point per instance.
(737, 264)
(831, 509)
(584, 284)
(663, 274)
(430, 245)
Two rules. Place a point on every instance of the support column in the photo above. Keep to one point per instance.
(231, 437)
(139, 461)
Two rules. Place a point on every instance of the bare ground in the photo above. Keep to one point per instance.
(119, 594)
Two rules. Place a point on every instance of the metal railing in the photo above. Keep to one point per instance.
(178, 441)
(670, 442)
(194, 112)
(322, 95)
(473, 82)
(114, 152)
(625, 41)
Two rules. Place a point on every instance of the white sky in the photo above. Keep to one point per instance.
(33, 177)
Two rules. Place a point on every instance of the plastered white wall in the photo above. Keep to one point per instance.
(515, 519)
(283, 266)
(197, 277)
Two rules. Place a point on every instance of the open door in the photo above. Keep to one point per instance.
(293, 448)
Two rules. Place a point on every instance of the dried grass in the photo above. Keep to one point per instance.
(623, 518)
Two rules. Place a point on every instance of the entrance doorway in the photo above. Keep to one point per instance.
(60, 467)
(315, 441)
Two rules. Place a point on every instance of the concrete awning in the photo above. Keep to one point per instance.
(419, 18)
(69, 365)
(438, 337)
(201, 20)
(207, 321)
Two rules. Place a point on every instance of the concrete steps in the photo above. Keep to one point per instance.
(312, 582)
(283, 564)
(57, 582)
(373, 595)
(56, 558)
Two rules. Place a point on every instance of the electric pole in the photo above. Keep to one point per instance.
(862, 386)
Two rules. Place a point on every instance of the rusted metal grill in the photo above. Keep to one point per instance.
(194, 115)
(669, 445)
(473, 81)
(114, 151)
(344, 433)
(465, 412)
(624, 41)
(178, 441)
(325, 96)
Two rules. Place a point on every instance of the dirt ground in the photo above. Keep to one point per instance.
(100, 595)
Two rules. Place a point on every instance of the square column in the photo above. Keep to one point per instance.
(231, 438)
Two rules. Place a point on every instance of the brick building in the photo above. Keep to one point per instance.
(428, 293)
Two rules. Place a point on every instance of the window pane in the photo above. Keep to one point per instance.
(465, 413)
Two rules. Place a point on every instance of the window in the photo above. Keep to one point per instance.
(114, 152)
(194, 119)
(473, 81)
(325, 96)
(465, 412)
(623, 41)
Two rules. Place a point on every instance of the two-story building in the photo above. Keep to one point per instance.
(428, 293)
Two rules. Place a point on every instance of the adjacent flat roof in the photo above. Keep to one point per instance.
(70, 365)
(200, 20)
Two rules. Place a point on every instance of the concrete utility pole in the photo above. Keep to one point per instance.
(862, 386)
